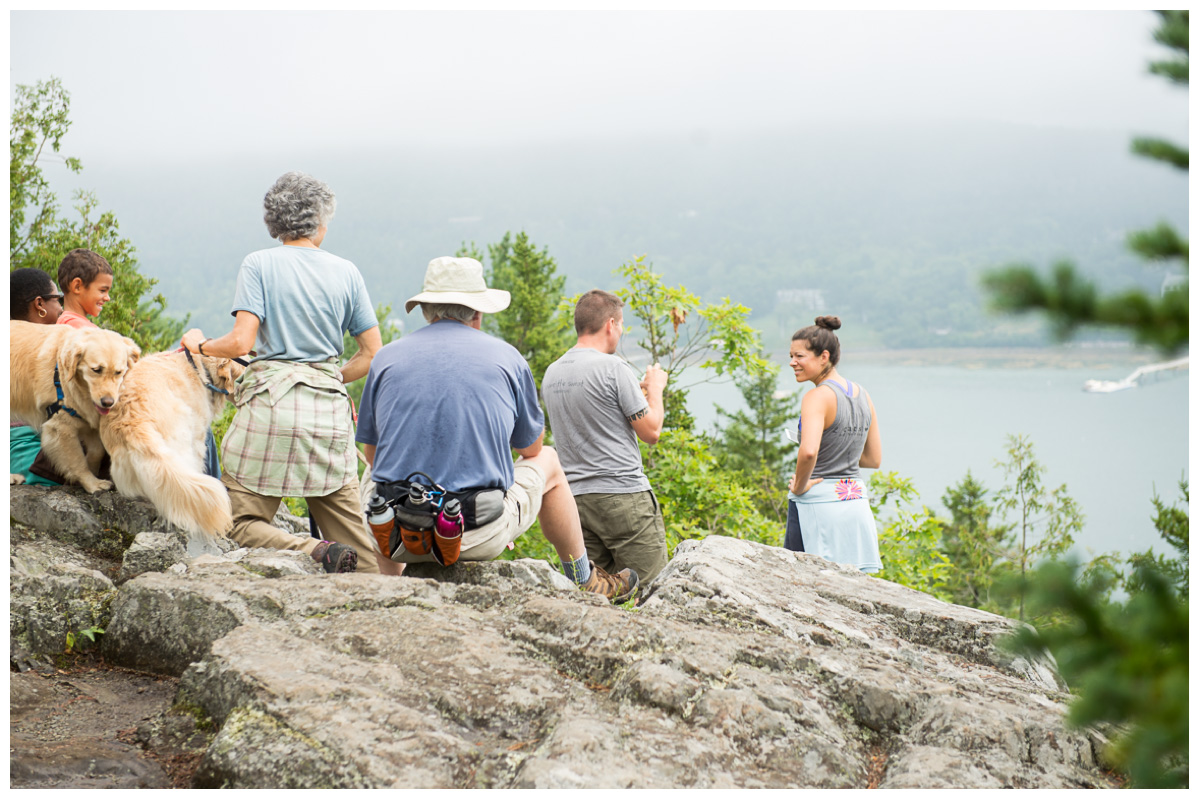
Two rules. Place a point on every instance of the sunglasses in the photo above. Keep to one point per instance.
(58, 297)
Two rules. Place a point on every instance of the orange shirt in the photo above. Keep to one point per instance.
(75, 320)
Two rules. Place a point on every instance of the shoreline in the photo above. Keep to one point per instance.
(1052, 357)
(1008, 357)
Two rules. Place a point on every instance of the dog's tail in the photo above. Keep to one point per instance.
(189, 499)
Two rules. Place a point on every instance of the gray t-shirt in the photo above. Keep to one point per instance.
(589, 398)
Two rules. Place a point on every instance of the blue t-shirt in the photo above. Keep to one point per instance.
(449, 401)
(305, 299)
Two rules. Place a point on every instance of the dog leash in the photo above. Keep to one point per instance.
(200, 370)
(57, 406)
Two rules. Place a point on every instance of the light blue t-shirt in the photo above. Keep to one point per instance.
(449, 401)
(305, 299)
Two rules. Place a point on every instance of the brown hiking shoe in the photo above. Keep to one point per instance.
(617, 588)
(335, 557)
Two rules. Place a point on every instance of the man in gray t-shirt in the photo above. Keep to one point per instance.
(598, 411)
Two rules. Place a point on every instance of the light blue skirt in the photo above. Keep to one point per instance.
(836, 523)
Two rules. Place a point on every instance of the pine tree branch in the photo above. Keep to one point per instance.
(1161, 150)
(1173, 32)
(1159, 243)
(1174, 71)
(1070, 301)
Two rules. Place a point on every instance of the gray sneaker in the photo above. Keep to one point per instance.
(617, 588)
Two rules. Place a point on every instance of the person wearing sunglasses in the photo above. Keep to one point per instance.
(34, 297)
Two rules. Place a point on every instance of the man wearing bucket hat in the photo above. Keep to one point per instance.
(452, 402)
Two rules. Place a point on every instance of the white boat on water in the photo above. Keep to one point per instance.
(1131, 381)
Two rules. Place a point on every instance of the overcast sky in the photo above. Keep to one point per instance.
(195, 85)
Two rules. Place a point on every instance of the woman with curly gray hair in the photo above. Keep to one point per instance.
(293, 433)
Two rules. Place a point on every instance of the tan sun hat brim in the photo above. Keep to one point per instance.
(489, 301)
(459, 281)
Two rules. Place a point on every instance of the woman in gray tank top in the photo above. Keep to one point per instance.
(829, 514)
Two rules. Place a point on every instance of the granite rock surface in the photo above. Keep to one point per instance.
(743, 666)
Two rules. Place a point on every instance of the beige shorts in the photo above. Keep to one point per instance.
(522, 503)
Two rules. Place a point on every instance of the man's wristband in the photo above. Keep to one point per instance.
(200, 347)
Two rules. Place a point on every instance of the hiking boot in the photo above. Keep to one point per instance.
(617, 588)
(336, 557)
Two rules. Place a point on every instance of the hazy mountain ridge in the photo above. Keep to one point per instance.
(869, 216)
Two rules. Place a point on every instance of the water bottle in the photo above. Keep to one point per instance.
(381, 520)
(447, 531)
(416, 522)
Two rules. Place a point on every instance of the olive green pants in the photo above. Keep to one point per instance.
(624, 530)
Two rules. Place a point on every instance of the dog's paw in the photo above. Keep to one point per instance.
(95, 485)
(14, 479)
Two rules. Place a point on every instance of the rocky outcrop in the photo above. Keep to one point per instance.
(54, 592)
(744, 666)
(68, 551)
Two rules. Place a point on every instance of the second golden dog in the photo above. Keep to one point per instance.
(156, 436)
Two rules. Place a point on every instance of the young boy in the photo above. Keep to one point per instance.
(86, 279)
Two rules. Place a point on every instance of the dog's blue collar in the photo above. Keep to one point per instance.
(204, 372)
(57, 406)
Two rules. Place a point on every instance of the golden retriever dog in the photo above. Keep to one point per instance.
(155, 436)
(92, 364)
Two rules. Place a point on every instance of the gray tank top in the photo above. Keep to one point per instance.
(842, 442)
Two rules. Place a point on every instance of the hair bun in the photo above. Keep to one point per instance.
(829, 323)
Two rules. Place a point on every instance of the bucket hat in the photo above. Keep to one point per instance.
(459, 280)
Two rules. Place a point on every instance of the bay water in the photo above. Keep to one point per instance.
(1113, 451)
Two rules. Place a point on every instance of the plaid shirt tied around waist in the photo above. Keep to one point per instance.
(292, 435)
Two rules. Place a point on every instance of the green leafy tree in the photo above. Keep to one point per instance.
(532, 544)
(39, 235)
(1126, 662)
(752, 442)
(157, 326)
(533, 323)
(755, 438)
(472, 251)
(39, 119)
(680, 332)
(699, 497)
(974, 546)
(388, 332)
(908, 540)
(1171, 521)
(1071, 300)
(1045, 519)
